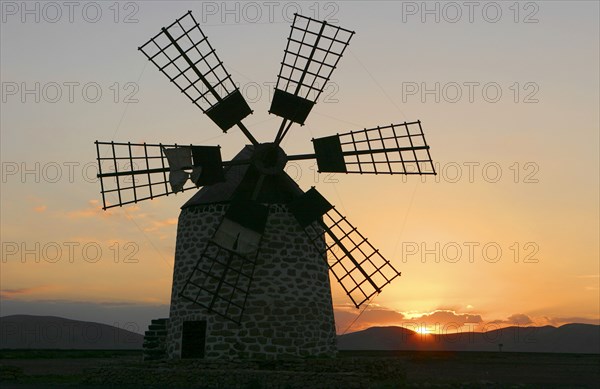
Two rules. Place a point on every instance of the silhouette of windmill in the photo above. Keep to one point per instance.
(253, 250)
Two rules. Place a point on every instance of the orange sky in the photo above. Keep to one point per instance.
(519, 174)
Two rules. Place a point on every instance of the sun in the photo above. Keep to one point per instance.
(423, 331)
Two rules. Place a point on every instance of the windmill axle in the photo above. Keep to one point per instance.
(269, 158)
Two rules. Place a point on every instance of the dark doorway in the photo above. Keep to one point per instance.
(194, 335)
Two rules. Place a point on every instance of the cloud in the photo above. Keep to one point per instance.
(39, 206)
(592, 278)
(559, 321)
(94, 209)
(440, 320)
(9, 294)
(519, 319)
(350, 321)
(145, 222)
(447, 317)
(156, 225)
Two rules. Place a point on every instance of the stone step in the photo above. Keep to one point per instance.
(154, 352)
(155, 340)
(156, 333)
(153, 357)
(153, 345)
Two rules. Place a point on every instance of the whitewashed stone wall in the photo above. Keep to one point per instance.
(289, 310)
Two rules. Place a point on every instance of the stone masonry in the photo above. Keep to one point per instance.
(289, 309)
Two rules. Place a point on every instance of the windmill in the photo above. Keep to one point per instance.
(253, 250)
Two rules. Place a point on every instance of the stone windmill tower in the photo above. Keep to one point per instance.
(254, 251)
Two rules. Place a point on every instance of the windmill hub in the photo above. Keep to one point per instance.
(269, 158)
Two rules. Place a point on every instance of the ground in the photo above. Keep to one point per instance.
(95, 369)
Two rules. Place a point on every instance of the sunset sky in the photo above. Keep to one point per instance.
(507, 233)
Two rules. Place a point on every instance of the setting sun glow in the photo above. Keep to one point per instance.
(423, 331)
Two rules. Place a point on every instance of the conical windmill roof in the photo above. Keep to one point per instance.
(240, 180)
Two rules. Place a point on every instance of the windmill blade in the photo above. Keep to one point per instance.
(182, 52)
(134, 172)
(393, 149)
(221, 279)
(358, 266)
(313, 51)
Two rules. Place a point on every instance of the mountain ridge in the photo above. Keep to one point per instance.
(53, 332)
(568, 338)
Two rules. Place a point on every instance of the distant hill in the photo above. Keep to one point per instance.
(50, 332)
(569, 338)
